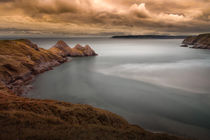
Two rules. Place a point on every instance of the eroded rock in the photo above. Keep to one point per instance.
(61, 48)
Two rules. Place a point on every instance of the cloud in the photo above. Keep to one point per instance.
(105, 17)
(4, 1)
(139, 10)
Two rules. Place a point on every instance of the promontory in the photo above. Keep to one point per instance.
(201, 41)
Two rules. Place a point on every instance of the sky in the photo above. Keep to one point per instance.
(68, 18)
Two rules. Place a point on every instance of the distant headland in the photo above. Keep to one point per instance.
(150, 37)
(201, 41)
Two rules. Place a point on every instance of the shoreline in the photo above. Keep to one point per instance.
(47, 119)
(202, 41)
(19, 87)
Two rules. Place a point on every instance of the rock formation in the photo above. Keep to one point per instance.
(183, 45)
(201, 41)
(61, 48)
(89, 51)
(33, 119)
(20, 60)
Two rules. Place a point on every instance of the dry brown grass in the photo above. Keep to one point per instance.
(23, 118)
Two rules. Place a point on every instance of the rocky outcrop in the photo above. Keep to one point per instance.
(201, 41)
(77, 51)
(88, 51)
(34, 119)
(190, 40)
(183, 45)
(61, 48)
(32, 45)
(20, 60)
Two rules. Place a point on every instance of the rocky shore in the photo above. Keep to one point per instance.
(32, 119)
(201, 41)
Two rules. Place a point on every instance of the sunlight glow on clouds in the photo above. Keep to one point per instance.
(139, 10)
(103, 17)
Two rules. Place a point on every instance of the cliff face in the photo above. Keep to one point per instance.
(20, 60)
(31, 119)
(201, 41)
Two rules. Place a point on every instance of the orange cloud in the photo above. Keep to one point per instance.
(103, 17)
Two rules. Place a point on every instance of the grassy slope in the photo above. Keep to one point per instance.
(24, 118)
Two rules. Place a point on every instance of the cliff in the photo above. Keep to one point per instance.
(33, 119)
(20, 60)
(61, 48)
(201, 41)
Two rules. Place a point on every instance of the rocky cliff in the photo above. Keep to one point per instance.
(61, 48)
(201, 41)
(32, 119)
(20, 60)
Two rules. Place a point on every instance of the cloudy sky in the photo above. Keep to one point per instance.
(64, 18)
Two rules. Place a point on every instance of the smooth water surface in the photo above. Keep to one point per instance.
(153, 83)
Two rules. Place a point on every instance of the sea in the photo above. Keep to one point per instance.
(153, 83)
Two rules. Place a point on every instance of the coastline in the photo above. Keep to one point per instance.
(202, 41)
(34, 117)
(148, 37)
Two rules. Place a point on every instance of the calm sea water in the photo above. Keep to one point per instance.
(153, 83)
